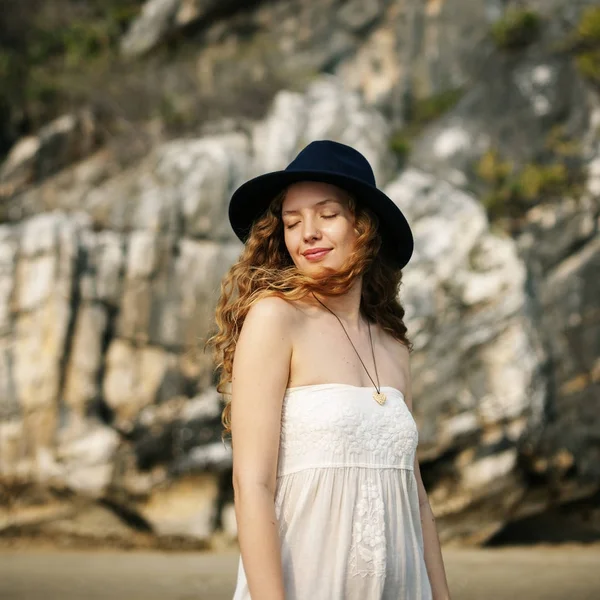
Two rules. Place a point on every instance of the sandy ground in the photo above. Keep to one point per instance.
(530, 573)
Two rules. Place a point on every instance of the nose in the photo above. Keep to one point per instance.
(310, 230)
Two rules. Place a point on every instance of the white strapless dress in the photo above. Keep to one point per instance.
(346, 497)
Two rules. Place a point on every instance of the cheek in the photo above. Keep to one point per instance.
(291, 242)
(348, 236)
(288, 238)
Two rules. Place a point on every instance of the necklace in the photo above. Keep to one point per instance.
(378, 395)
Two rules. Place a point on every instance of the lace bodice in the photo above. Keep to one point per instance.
(340, 429)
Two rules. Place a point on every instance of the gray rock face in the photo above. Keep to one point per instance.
(323, 112)
(104, 309)
(477, 360)
(514, 108)
(156, 19)
(375, 46)
(109, 277)
(566, 309)
(159, 18)
(542, 91)
(60, 143)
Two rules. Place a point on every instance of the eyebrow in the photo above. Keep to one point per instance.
(291, 212)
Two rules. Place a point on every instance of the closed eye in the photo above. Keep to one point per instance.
(291, 226)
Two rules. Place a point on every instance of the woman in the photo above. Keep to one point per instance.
(313, 350)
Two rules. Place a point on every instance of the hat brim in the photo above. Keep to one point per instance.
(252, 199)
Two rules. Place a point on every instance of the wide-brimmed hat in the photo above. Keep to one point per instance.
(329, 162)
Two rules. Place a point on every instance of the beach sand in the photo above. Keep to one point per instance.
(526, 573)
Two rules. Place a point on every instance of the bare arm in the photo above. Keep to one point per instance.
(260, 375)
(431, 544)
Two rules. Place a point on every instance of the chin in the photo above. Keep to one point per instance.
(320, 268)
(308, 268)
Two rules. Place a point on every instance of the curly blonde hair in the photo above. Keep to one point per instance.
(265, 268)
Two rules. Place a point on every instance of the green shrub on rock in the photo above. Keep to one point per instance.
(400, 145)
(536, 181)
(430, 108)
(588, 28)
(422, 112)
(588, 36)
(516, 29)
(584, 43)
(588, 65)
(492, 169)
(512, 191)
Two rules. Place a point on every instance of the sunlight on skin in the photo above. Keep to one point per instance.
(317, 215)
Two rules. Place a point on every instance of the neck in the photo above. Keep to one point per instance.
(347, 306)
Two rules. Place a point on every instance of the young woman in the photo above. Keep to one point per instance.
(314, 361)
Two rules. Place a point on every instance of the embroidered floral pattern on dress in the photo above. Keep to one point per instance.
(368, 550)
(346, 431)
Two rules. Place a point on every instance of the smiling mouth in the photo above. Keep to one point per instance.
(316, 255)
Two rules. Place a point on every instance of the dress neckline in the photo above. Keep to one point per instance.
(346, 385)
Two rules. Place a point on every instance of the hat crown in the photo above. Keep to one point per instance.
(333, 157)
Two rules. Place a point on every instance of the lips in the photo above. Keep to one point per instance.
(316, 253)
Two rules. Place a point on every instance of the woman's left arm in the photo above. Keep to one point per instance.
(431, 542)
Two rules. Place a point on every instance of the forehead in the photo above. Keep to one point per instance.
(311, 194)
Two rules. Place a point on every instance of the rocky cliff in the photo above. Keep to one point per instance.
(481, 121)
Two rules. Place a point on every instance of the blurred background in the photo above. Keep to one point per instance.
(125, 125)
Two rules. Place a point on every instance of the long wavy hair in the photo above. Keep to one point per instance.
(265, 268)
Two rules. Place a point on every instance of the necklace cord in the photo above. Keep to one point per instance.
(377, 386)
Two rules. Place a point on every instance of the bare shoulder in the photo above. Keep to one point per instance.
(265, 338)
(400, 358)
(403, 355)
(397, 349)
(271, 311)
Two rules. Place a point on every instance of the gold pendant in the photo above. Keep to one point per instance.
(379, 397)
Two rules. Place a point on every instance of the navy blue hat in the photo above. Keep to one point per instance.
(329, 162)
